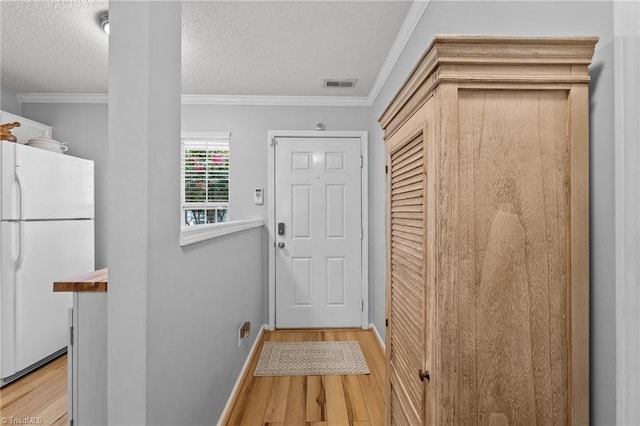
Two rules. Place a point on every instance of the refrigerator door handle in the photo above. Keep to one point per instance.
(20, 258)
(18, 173)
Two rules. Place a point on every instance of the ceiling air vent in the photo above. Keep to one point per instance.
(340, 83)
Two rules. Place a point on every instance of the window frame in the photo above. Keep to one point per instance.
(196, 233)
(205, 137)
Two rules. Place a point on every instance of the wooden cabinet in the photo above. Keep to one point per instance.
(488, 236)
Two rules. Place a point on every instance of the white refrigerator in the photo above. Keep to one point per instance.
(47, 234)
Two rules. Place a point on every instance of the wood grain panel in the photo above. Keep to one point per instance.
(579, 248)
(405, 152)
(259, 395)
(409, 202)
(336, 402)
(406, 236)
(513, 274)
(408, 180)
(316, 399)
(399, 189)
(355, 402)
(414, 157)
(96, 281)
(412, 169)
(40, 395)
(295, 412)
(405, 195)
(399, 413)
(406, 305)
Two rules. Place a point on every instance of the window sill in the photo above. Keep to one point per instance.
(206, 232)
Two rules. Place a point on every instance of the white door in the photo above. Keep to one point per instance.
(40, 184)
(318, 232)
(34, 318)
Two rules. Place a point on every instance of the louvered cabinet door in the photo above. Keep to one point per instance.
(406, 281)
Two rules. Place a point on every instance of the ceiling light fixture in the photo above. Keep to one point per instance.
(103, 21)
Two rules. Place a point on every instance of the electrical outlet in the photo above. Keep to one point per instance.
(244, 331)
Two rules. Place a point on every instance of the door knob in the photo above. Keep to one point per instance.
(281, 244)
(424, 375)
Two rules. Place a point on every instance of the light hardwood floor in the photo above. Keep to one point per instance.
(276, 401)
(41, 396)
(314, 400)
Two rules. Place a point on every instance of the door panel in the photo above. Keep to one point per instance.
(336, 286)
(335, 211)
(301, 281)
(407, 282)
(514, 221)
(301, 211)
(318, 198)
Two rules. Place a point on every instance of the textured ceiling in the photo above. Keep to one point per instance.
(53, 46)
(285, 48)
(229, 48)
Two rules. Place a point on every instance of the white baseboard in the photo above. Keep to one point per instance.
(375, 331)
(245, 367)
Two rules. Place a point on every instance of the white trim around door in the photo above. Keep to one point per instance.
(272, 135)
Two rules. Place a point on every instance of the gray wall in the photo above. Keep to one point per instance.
(248, 126)
(9, 101)
(84, 126)
(542, 19)
(196, 305)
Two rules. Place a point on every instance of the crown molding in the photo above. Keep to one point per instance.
(418, 7)
(248, 100)
(100, 98)
(416, 11)
(63, 98)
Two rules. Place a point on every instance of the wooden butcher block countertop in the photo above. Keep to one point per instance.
(95, 281)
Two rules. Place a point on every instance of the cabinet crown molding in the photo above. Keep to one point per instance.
(490, 60)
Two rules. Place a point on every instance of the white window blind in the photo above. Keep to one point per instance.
(205, 180)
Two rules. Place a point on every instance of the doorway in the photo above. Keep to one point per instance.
(317, 199)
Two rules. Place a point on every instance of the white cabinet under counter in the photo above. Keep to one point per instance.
(87, 351)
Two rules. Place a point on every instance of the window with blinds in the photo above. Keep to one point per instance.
(205, 179)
